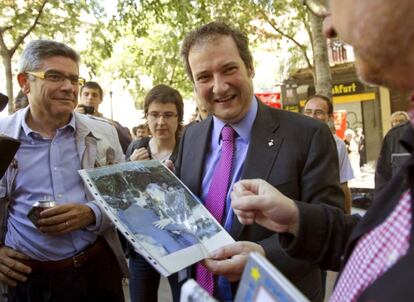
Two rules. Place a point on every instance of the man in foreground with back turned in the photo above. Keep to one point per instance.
(375, 255)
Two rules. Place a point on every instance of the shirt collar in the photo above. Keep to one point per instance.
(243, 127)
(28, 131)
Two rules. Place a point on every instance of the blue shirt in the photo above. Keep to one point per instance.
(47, 168)
(243, 129)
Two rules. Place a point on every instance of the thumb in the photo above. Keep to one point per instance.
(227, 251)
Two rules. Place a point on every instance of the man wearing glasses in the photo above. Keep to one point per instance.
(375, 253)
(66, 255)
(320, 107)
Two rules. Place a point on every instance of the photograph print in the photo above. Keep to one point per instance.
(156, 213)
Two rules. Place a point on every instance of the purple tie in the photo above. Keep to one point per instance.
(216, 197)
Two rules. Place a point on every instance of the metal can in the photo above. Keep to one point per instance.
(37, 208)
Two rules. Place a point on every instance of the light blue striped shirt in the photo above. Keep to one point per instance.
(46, 168)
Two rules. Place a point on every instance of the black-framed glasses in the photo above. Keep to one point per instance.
(318, 7)
(154, 115)
(57, 77)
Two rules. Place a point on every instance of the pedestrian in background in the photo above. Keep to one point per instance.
(164, 110)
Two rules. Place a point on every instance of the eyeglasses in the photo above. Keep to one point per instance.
(154, 115)
(317, 112)
(57, 77)
(318, 7)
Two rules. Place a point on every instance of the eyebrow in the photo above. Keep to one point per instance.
(204, 72)
(60, 72)
(155, 111)
(230, 64)
(226, 65)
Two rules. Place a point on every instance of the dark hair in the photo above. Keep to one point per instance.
(324, 98)
(165, 94)
(211, 31)
(38, 50)
(92, 85)
(141, 126)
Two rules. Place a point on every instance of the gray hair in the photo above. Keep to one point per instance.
(403, 113)
(38, 50)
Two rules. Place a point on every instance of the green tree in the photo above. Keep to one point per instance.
(287, 19)
(151, 33)
(53, 19)
(156, 28)
(322, 71)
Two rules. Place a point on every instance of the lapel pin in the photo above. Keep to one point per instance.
(270, 143)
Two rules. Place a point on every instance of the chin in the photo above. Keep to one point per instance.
(227, 118)
(368, 74)
(401, 82)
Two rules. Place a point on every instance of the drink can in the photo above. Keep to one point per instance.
(37, 208)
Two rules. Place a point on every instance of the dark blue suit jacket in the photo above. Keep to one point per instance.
(301, 162)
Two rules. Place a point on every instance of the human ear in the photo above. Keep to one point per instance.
(24, 83)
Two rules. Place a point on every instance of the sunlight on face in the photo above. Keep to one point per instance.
(221, 79)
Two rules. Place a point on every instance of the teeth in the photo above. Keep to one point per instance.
(225, 99)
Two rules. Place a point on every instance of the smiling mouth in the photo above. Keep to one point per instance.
(64, 99)
(225, 99)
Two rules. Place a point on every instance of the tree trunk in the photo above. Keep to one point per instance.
(322, 72)
(7, 58)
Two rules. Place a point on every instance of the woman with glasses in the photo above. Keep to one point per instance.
(164, 109)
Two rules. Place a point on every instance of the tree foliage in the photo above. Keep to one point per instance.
(151, 33)
(140, 45)
(50, 19)
(154, 30)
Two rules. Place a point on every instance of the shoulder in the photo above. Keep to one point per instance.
(93, 120)
(289, 116)
(136, 144)
(10, 124)
(197, 127)
(340, 144)
(397, 131)
(96, 125)
(289, 121)
(101, 130)
(393, 138)
(139, 143)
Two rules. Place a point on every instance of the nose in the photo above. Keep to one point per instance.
(67, 85)
(161, 119)
(220, 85)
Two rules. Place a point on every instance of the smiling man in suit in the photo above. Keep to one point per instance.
(245, 139)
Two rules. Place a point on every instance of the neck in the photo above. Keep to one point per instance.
(162, 145)
(45, 124)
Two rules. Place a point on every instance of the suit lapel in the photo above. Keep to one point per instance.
(265, 143)
(199, 141)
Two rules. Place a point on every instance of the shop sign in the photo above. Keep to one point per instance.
(347, 88)
(271, 99)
